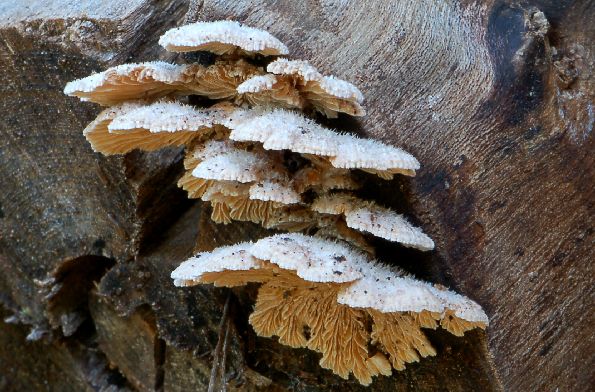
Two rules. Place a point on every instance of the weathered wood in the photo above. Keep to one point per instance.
(60, 365)
(131, 343)
(494, 98)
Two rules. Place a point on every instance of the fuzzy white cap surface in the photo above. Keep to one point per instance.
(355, 153)
(212, 148)
(389, 225)
(368, 284)
(304, 70)
(167, 117)
(196, 36)
(276, 191)
(156, 70)
(110, 113)
(462, 306)
(368, 216)
(234, 258)
(285, 130)
(313, 259)
(386, 291)
(257, 84)
(237, 165)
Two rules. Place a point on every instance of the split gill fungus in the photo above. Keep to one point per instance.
(364, 317)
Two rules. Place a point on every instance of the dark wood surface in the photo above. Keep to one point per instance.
(494, 98)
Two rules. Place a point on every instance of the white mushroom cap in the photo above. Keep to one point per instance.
(233, 258)
(212, 148)
(340, 88)
(308, 73)
(367, 284)
(102, 140)
(355, 153)
(463, 307)
(238, 165)
(313, 259)
(301, 68)
(167, 117)
(257, 84)
(102, 121)
(255, 128)
(221, 37)
(384, 290)
(388, 290)
(285, 130)
(276, 191)
(367, 216)
(389, 225)
(130, 81)
(156, 70)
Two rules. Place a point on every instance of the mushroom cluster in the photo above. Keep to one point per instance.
(253, 154)
(365, 318)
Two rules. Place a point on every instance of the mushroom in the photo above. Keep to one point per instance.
(212, 176)
(369, 217)
(169, 116)
(271, 89)
(109, 143)
(98, 135)
(327, 94)
(237, 165)
(128, 126)
(222, 37)
(132, 81)
(196, 187)
(207, 266)
(334, 291)
(217, 166)
(281, 129)
(152, 80)
(277, 191)
(374, 157)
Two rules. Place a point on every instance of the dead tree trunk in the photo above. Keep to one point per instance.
(494, 98)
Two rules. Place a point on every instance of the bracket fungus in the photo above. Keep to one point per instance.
(369, 217)
(130, 81)
(328, 94)
(159, 79)
(287, 130)
(253, 157)
(334, 292)
(222, 37)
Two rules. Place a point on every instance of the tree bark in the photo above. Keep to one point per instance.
(495, 98)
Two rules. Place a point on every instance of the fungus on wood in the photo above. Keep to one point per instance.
(323, 291)
(334, 292)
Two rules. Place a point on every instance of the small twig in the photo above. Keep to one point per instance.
(223, 360)
(216, 382)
